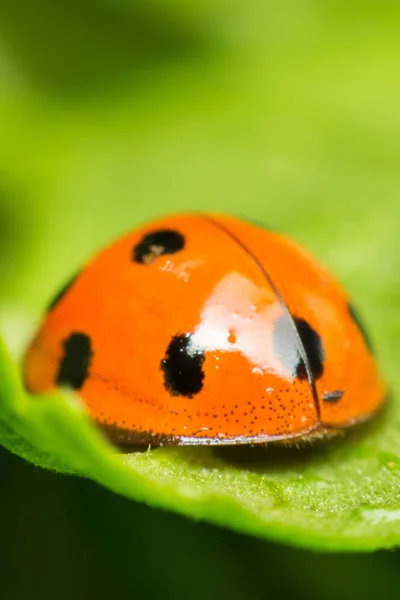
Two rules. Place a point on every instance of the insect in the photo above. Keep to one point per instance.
(205, 329)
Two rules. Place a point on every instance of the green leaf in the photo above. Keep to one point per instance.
(292, 129)
(343, 495)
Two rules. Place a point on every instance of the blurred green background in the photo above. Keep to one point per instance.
(112, 112)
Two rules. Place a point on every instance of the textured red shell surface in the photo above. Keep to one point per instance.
(205, 329)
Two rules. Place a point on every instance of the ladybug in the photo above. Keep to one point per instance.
(205, 329)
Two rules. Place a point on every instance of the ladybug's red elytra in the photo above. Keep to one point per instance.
(205, 329)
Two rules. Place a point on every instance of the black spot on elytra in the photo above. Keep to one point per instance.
(286, 347)
(183, 367)
(75, 363)
(157, 243)
(333, 397)
(356, 318)
(61, 293)
(314, 349)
